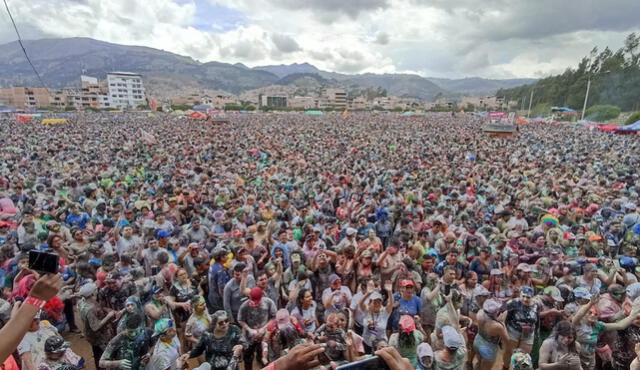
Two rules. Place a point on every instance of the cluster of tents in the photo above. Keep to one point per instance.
(625, 130)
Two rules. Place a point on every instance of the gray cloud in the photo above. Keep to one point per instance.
(284, 43)
(351, 8)
(382, 38)
(498, 20)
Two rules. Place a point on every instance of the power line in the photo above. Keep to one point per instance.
(21, 45)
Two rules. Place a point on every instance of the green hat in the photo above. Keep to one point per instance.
(161, 326)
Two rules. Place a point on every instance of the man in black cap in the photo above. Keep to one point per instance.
(58, 353)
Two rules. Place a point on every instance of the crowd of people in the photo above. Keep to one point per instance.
(287, 241)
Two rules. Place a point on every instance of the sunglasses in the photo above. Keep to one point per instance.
(221, 322)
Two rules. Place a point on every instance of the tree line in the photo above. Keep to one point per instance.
(614, 75)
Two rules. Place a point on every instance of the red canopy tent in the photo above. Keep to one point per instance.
(197, 115)
(608, 128)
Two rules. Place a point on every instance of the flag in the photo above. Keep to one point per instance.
(147, 137)
(153, 104)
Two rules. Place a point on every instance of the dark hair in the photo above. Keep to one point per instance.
(163, 257)
(301, 294)
(566, 329)
(133, 321)
(406, 340)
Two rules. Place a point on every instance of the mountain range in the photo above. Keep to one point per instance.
(61, 61)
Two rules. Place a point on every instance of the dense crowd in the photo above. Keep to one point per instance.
(188, 244)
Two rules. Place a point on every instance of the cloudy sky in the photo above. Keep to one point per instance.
(438, 38)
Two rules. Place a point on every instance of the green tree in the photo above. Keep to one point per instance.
(180, 107)
(602, 112)
(542, 109)
(635, 116)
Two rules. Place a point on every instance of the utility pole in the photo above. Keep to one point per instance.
(586, 96)
(530, 100)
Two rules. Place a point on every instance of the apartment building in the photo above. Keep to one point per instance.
(25, 97)
(126, 90)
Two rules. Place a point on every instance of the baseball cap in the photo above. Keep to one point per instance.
(88, 289)
(492, 306)
(526, 291)
(407, 324)
(255, 295)
(374, 296)
(406, 283)
(581, 293)
(161, 326)
(495, 272)
(55, 344)
(524, 267)
(162, 234)
(554, 292)
(424, 350)
(351, 231)
(452, 338)
(333, 278)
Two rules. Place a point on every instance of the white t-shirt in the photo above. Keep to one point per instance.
(340, 301)
(33, 342)
(375, 326)
(165, 355)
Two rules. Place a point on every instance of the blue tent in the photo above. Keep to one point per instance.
(562, 109)
(632, 127)
(201, 107)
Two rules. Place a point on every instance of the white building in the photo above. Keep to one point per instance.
(126, 90)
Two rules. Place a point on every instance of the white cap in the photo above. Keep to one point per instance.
(424, 350)
(452, 338)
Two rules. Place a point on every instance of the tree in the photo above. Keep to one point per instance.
(635, 116)
(542, 109)
(602, 112)
(614, 75)
(180, 107)
(143, 107)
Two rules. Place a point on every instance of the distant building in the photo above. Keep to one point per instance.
(358, 103)
(25, 97)
(126, 90)
(335, 97)
(273, 101)
(304, 102)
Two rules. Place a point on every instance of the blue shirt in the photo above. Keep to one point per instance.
(409, 307)
(80, 220)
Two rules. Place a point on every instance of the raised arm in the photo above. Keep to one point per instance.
(584, 309)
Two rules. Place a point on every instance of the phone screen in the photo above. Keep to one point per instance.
(44, 262)
(371, 363)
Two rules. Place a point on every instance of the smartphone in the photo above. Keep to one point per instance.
(324, 358)
(371, 363)
(447, 289)
(44, 262)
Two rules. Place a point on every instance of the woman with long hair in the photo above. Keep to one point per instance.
(222, 346)
(499, 286)
(305, 310)
(199, 322)
(561, 350)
